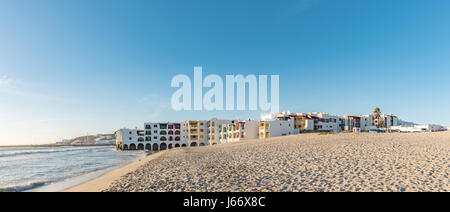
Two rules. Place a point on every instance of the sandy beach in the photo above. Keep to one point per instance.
(307, 162)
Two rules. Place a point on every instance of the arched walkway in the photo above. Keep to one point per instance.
(140, 146)
(132, 146)
(155, 147)
(163, 146)
(148, 147)
(125, 147)
(193, 144)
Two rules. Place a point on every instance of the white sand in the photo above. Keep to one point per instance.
(307, 162)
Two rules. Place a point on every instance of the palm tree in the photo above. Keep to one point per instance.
(376, 116)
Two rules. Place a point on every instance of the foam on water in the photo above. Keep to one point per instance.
(23, 169)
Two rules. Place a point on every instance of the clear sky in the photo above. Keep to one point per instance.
(68, 68)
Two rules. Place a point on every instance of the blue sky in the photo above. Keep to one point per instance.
(68, 68)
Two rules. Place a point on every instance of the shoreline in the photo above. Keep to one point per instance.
(103, 181)
(362, 162)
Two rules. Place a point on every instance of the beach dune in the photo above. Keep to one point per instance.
(307, 162)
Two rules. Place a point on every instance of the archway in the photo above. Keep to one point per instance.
(177, 145)
(148, 147)
(170, 146)
(140, 146)
(163, 146)
(193, 144)
(132, 146)
(125, 147)
(155, 147)
(202, 144)
(184, 145)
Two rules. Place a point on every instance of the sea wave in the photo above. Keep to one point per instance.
(43, 151)
(24, 187)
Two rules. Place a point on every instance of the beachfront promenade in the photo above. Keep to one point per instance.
(306, 162)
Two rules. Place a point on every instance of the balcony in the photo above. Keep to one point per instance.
(163, 126)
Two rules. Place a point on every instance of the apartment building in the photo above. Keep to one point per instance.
(239, 131)
(196, 133)
(314, 121)
(276, 128)
(214, 129)
(164, 136)
(129, 139)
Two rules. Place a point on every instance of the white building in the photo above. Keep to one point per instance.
(419, 128)
(197, 133)
(276, 128)
(239, 131)
(164, 136)
(128, 139)
(214, 129)
(315, 121)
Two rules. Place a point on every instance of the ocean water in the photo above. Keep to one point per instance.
(28, 168)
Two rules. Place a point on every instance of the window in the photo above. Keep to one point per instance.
(147, 127)
(130, 133)
(129, 138)
(148, 132)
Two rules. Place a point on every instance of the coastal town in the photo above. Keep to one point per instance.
(163, 136)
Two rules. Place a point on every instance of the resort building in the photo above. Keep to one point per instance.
(164, 136)
(214, 129)
(197, 133)
(315, 121)
(239, 131)
(276, 128)
(127, 139)
(419, 128)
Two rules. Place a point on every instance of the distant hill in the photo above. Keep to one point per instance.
(99, 139)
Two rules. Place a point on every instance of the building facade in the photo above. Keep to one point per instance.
(238, 131)
(163, 136)
(197, 133)
(276, 128)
